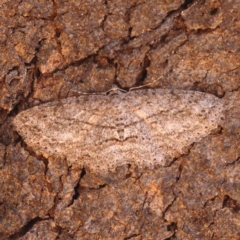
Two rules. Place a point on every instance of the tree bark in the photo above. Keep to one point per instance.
(53, 50)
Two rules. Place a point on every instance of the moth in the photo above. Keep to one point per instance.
(146, 127)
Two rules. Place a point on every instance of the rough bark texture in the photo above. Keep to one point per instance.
(51, 50)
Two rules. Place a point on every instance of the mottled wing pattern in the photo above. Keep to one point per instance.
(145, 127)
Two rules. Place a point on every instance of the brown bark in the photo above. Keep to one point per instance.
(52, 50)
